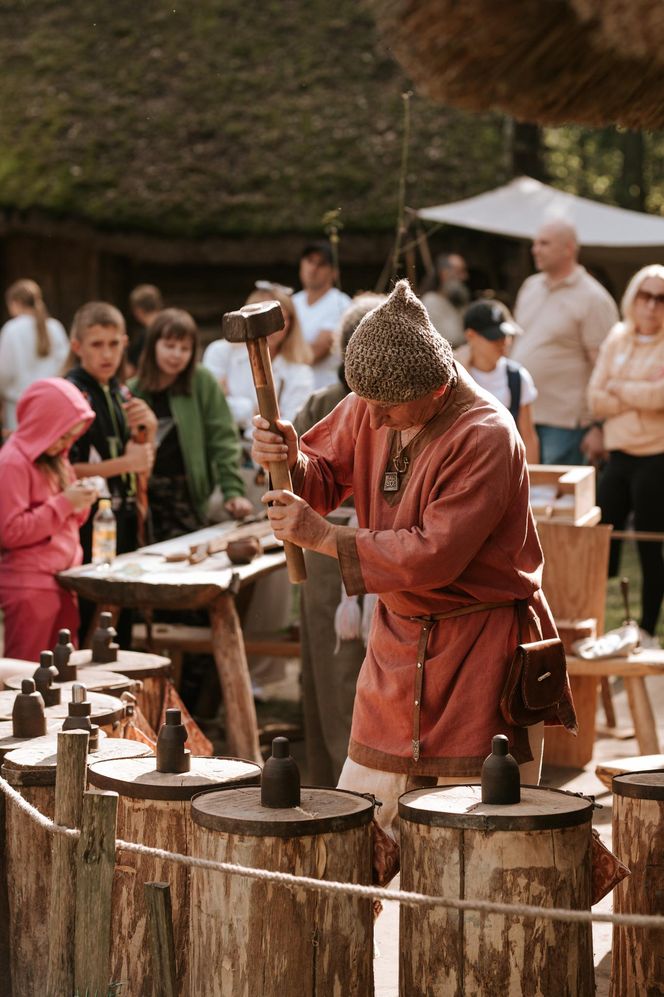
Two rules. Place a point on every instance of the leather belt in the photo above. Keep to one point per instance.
(427, 624)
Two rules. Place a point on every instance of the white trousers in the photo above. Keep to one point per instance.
(387, 787)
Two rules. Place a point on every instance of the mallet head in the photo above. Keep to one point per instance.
(252, 322)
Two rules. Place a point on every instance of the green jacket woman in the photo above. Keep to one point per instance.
(197, 440)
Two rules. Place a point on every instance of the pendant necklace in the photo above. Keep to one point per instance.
(401, 461)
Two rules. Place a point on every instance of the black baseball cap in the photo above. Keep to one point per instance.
(321, 247)
(488, 319)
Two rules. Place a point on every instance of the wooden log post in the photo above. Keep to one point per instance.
(250, 937)
(95, 864)
(32, 771)
(233, 671)
(162, 941)
(535, 852)
(69, 789)
(154, 809)
(637, 958)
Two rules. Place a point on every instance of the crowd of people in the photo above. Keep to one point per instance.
(161, 431)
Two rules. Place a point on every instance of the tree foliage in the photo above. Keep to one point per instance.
(612, 165)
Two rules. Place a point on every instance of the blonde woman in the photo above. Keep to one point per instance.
(291, 362)
(32, 346)
(626, 391)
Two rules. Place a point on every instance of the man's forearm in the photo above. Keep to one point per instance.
(328, 541)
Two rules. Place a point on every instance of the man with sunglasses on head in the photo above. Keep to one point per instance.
(565, 315)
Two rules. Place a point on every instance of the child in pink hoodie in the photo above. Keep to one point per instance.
(41, 509)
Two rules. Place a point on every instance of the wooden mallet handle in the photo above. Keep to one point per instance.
(257, 319)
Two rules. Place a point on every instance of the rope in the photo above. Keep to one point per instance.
(409, 898)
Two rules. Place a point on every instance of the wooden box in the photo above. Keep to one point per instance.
(563, 494)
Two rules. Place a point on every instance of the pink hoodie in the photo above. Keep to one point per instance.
(38, 526)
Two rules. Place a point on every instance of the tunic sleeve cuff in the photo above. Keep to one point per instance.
(299, 472)
(349, 560)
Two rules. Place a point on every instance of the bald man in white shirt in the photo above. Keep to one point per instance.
(565, 315)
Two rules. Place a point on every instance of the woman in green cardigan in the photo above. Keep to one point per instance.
(197, 440)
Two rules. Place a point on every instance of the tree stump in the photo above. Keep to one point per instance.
(107, 711)
(607, 769)
(94, 679)
(10, 743)
(152, 670)
(31, 770)
(154, 809)
(250, 937)
(637, 960)
(535, 852)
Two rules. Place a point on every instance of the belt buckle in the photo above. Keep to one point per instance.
(416, 750)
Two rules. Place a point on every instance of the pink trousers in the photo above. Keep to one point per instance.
(33, 617)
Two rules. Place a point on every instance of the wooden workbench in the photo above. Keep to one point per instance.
(145, 580)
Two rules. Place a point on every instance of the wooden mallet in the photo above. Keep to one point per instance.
(252, 325)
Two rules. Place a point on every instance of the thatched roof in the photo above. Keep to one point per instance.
(213, 119)
(633, 27)
(548, 61)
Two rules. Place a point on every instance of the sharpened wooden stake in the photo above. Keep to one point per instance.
(95, 865)
(162, 943)
(69, 789)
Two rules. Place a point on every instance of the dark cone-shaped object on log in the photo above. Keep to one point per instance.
(280, 780)
(501, 782)
(79, 712)
(61, 654)
(104, 648)
(172, 756)
(44, 678)
(28, 718)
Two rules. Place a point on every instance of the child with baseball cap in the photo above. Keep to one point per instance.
(489, 330)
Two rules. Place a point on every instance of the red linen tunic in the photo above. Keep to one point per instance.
(459, 531)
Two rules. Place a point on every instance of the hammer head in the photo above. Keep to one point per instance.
(252, 322)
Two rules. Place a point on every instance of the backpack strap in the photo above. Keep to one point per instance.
(514, 385)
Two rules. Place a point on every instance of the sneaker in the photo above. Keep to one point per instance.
(648, 641)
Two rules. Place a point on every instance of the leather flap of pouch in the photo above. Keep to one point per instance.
(543, 674)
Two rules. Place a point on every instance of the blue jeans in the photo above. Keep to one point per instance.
(559, 445)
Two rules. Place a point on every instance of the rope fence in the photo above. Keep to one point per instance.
(410, 899)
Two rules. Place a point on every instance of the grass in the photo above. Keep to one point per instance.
(615, 613)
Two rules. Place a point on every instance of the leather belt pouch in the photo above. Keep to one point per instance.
(535, 683)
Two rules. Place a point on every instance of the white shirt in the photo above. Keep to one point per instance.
(19, 364)
(495, 382)
(323, 314)
(294, 382)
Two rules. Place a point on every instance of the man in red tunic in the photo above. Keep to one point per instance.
(439, 478)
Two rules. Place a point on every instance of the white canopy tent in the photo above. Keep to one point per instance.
(614, 242)
(521, 206)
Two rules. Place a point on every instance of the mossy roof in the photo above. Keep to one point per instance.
(220, 117)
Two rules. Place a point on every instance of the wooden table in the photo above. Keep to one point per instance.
(145, 580)
(633, 670)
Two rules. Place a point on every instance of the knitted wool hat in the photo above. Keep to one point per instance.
(395, 355)
(354, 314)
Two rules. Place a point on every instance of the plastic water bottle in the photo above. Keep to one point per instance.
(103, 534)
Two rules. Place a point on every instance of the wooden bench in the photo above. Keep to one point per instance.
(175, 640)
(633, 670)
